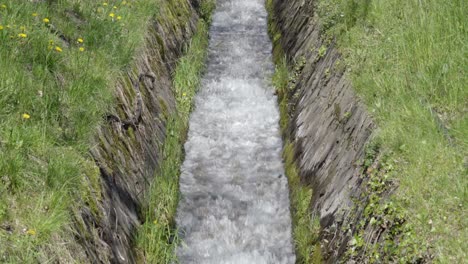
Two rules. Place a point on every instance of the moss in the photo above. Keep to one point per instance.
(337, 111)
(305, 227)
(164, 110)
(206, 9)
(88, 187)
(322, 51)
(131, 133)
(317, 255)
(275, 34)
(162, 48)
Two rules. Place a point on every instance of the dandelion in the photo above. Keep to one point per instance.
(104, 4)
(119, 17)
(155, 222)
(31, 232)
(1, 27)
(25, 116)
(184, 94)
(34, 14)
(115, 7)
(4, 6)
(80, 40)
(58, 49)
(81, 49)
(112, 15)
(22, 35)
(46, 20)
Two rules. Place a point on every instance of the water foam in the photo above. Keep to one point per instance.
(234, 205)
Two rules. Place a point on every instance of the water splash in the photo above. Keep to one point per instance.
(234, 205)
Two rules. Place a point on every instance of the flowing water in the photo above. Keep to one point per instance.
(234, 205)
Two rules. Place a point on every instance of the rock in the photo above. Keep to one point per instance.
(329, 126)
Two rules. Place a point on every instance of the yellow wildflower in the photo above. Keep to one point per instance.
(31, 232)
(104, 4)
(46, 20)
(34, 14)
(22, 35)
(25, 116)
(184, 94)
(119, 17)
(1, 27)
(4, 6)
(81, 49)
(58, 49)
(155, 222)
(124, 2)
(80, 40)
(115, 7)
(112, 15)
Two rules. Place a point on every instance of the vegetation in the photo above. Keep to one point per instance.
(306, 228)
(58, 63)
(407, 60)
(157, 238)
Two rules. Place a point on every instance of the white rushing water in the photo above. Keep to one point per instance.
(234, 205)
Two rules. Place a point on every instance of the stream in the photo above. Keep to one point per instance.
(234, 204)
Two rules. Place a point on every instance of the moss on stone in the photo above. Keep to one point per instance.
(162, 48)
(164, 110)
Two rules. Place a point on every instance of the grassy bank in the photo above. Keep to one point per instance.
(157, 238)
(407, 60)
(58, 64)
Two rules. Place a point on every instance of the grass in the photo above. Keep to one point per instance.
(157, 238)
(58, 64)
(407, 60)
(306, 228)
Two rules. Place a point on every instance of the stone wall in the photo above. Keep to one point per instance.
(328, 126)
(129, 155)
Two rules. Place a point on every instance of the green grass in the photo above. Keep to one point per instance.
(157, 238)
(408, 61)
(306, 228)
(55, 92)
